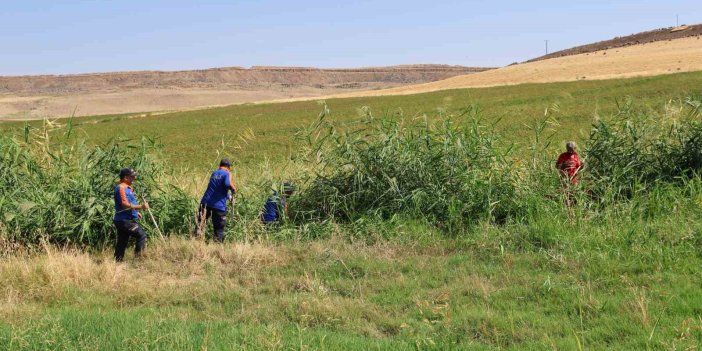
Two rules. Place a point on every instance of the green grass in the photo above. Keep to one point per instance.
(192, 139)
(620, 274)
(493, 289)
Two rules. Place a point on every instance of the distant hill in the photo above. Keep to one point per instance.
(640, 60)
(256, 77)
(31, 97)
(670, 33)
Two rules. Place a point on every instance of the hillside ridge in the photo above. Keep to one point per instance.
(230, 77)
(651, 36)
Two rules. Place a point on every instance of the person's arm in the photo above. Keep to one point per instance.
(136, 206)
(230, 182)
(128, 205)
(144, 206)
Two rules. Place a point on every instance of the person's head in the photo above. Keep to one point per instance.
(127, 175)
(288, 189)
(225, 163)
(570, 147)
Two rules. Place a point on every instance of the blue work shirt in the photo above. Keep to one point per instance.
(124, 194)
(216, 194)
(273, 207)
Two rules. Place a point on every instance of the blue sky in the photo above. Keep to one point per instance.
(57, 37)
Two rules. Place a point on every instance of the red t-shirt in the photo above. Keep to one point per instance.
(569, 165)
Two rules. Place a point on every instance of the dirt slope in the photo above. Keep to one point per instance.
(24, 97)
(683, 31)
(662, 57)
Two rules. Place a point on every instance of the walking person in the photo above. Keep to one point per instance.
(126, 215)
(214, 201)
(276, 207)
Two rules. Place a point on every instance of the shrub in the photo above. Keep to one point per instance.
(452, 171)
(55, 187)
(638, 148)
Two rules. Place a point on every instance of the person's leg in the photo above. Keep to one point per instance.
(219, 222)
(140, 235)
(122, 240)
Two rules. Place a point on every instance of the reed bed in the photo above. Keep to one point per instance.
(451, 172)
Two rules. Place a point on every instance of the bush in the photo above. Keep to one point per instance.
(452, 171)
(636, 149)
(61, 189)
(449, 172)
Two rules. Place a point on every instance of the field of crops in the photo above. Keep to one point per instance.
(434, 221)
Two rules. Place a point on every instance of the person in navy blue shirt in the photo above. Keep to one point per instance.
(126, 215)
(214, 201)
(276, 207)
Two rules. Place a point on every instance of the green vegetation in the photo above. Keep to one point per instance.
(251, 133)
(423, 228)
(612, 283)
(53, 186)
(642, 149)
(454, 170)
(449, 171)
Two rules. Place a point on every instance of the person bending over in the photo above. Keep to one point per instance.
(276, 207)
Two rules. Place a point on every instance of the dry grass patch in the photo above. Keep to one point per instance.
(168, 267)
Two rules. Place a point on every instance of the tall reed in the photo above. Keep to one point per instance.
(451, 171)
(54, 186)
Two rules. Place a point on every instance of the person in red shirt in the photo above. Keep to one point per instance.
(569, 164)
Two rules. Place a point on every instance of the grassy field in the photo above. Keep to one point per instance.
(193, 139)
(616, 272)
(542, 286)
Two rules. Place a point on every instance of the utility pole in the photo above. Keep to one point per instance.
(546, 46)
(677, 20)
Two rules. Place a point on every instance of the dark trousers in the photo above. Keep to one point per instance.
(125, 230)
(219, 221)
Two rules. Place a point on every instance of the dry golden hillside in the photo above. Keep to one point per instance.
(662, 57)
(35, 97)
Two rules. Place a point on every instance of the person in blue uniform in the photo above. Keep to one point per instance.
(276, 207)
(127, 217)
(214, 201)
